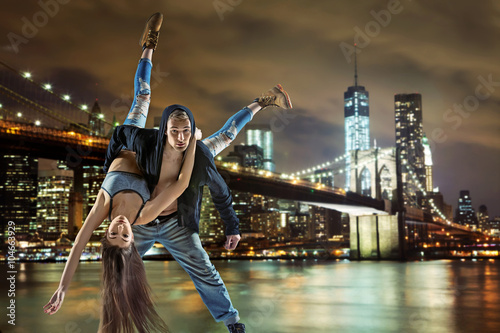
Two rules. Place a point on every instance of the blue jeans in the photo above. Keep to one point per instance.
(221, 139)
(140, 106)
(185, 246)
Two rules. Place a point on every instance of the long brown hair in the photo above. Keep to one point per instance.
(126, 295)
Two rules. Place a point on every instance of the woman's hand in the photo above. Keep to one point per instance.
(197, 134)
(55, 302)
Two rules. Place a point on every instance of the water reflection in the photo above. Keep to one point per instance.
(285, 296)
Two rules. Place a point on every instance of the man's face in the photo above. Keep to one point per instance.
(178, 133)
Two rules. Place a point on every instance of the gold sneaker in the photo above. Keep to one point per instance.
(149, 38)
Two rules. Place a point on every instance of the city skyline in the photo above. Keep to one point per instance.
(217, 59)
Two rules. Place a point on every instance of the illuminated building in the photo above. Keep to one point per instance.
(429, 186)
(483, 218)
(298, 220)
(211, 226)
(356, 124)
(465, 213)
(495, 226)
(93, 176)
(267, 223)
(242, 205)
(54, 188)
(247, 156)
(18, 190)
(262, 137)
(326, 222)
(409, 140)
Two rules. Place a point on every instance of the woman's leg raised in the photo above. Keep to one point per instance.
(142, 92)
(221, 139)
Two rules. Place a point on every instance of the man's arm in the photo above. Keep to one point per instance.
(223, 201)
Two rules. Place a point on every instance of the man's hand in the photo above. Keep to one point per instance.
(232, 242)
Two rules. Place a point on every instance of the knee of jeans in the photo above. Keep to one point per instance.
(230, 135)
(201, 258)
(144, 94)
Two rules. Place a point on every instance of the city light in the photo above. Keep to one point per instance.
(27, 75)
(47, 86)
(83, 107)
(66, 97)
(38, 122)
(19, 114)
(100, 116)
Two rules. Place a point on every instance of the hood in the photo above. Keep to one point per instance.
(164, 119)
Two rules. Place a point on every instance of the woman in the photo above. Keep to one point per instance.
(125, 199)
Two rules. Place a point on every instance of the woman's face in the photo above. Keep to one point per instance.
(119, 232)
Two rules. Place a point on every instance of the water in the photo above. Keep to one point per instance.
(284, 296)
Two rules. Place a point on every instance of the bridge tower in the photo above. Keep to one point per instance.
(96, 121)
(373, 172)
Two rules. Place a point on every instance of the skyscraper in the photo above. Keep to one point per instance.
(211, 226)
(465, 213)
(409, 141)
(262, 136)
(54, 188)
(356, 122)
(483, 218)
(18, 188)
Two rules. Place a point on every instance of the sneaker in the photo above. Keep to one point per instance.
(236, 328)
(149, 38)
(275, 96)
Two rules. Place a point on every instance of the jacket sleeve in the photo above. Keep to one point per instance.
(123, 137)
(222, 199)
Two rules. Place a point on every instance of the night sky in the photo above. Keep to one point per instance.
(217, 56)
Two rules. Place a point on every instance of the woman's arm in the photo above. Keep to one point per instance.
(93, 220)
(167, 195)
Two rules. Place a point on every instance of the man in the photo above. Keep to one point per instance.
(159, 155)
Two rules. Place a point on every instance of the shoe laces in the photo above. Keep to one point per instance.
(152, 38)
(267, 99)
